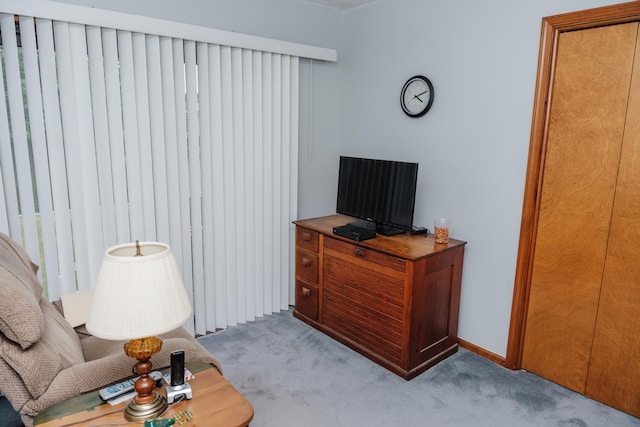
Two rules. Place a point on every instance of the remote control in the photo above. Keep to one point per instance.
(122, 398)
(116, 390)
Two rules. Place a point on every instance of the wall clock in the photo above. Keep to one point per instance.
(416, 96)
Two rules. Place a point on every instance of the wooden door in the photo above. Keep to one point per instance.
(585, 133)
(614, 372)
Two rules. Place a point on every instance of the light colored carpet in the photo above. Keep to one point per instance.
(296, 376)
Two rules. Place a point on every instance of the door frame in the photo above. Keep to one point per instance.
(552, 27)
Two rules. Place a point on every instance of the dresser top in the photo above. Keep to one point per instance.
(403, 245)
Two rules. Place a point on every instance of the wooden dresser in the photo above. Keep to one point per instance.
(393, 299)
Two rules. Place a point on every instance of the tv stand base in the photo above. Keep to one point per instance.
(386, 230)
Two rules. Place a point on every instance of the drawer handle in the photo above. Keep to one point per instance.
(306, 236)
(306, 262)
(306, 292)
(360, 252)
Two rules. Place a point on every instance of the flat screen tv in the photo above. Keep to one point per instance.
(380, 192)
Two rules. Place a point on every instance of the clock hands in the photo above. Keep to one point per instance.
(418, 96)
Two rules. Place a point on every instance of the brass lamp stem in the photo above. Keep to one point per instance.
(147, 403)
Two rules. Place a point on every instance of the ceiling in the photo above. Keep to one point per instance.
(342, 4)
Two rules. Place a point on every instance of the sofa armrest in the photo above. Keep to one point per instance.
(96, 349)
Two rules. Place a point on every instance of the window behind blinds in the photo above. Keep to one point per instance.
(109, 135)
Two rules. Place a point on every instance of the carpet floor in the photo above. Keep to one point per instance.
(296, 376)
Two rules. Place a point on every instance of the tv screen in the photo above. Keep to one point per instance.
(379, 191)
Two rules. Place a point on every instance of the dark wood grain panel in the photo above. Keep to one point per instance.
(335, 320)
(365, 285)
(307, 239)
(388, 297)
(362, 316)
(307, 299)
(406, 246)
(307, 266)
(363, 256)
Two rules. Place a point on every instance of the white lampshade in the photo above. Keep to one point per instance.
(138, 296)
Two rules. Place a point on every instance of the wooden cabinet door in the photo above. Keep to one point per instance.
(585, 133)
(614, 372)
(363, 297)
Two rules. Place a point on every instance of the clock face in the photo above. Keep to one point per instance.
(416, 96)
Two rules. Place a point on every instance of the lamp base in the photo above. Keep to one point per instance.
(144, 411)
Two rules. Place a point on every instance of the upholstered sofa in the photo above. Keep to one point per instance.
(43, 360)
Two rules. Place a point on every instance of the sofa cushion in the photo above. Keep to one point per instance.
(21, 318)
(58, 349)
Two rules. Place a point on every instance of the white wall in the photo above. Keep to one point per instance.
(472, 146)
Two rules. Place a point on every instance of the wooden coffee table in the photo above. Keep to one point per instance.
(214, 402)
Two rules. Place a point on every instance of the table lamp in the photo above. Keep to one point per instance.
(139, 295)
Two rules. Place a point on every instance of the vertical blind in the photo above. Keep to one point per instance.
(109, 136)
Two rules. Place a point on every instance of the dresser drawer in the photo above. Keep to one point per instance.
(368, 304)
(382, 293)
(307, 299)
(307, 239)
(342, 319)
(307, 266)
(363, 256)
